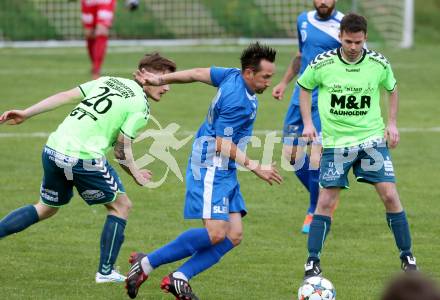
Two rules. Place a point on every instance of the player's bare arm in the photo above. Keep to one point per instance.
(266, 172)
(124, 154)
(16, 117)
(186, 76)
(306, 114)
(391, 131)
(291, 72)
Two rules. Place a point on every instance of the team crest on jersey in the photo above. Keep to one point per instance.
(303, 35)
(369, 90)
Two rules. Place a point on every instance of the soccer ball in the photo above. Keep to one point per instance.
(316, 288)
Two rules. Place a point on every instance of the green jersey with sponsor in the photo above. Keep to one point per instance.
(110, 106)
(349, 96)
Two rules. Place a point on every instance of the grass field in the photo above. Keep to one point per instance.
(57, 259)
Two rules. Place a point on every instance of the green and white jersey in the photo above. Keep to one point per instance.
(110, 106)
(349, 96)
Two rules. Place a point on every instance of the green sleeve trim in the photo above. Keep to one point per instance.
(394, 87)
(84, 94)
(127, 135)
(304, 86)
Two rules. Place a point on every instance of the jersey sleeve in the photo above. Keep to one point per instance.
(135, 121)
(230, 120)
(300, 42)
(87, 87)
(388, 81)
(219, 74)
(308, 79)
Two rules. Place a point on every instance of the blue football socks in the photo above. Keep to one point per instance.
(303, 173)
(112, 238)
(18, 220)
(310, 180)
(398, 224)
(183, 246)
(205, 258)
(318, 232)
(314, 190)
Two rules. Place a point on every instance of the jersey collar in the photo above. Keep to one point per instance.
(249, 93)
(364, 53)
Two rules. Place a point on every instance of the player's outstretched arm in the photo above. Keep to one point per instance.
(187, 76)
(309, 130)
(292, 70)
(16, 117)
(124, 154)
(266, 172)
(391, 131)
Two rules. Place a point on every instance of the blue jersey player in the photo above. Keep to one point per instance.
(317, 32)
(212, 190)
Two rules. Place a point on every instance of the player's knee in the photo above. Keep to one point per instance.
(45, 211)
(289, 154)
(88, 33)
(390, 198)
(314, 162)
(235, 238)
(126, 206)
(121, 207)
(217, 235)
(326, 204)
(101, 31)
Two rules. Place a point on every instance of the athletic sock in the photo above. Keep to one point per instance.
(99, 53)
(112, 238)
(91, 48)
(318, 232)
(303, 173)
(314, 190)
(205, 258)
(398, 224)
(183, 246)
(18, 220)
(147, 268)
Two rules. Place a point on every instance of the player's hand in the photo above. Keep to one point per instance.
(13, 117)
(268, 173)
(392, 135)
(132, 4)
(278, 91)
(309, 132)
(143, 177)
(146, 78)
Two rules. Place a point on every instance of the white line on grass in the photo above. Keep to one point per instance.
(188, 132)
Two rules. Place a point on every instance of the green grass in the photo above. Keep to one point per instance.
(57, 259)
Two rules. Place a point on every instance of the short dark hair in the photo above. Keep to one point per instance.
(254, 54)
(156, 62)
(411, 286)
(353, 23)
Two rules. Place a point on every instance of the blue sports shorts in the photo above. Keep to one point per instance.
(371, 162)
(95, 179)
(213, 194)
(294, 126)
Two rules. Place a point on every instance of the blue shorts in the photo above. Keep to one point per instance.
(294, 126)
(95, 180)
(213, 195)
(371, 162)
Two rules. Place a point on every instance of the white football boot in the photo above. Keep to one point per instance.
(112, 277)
